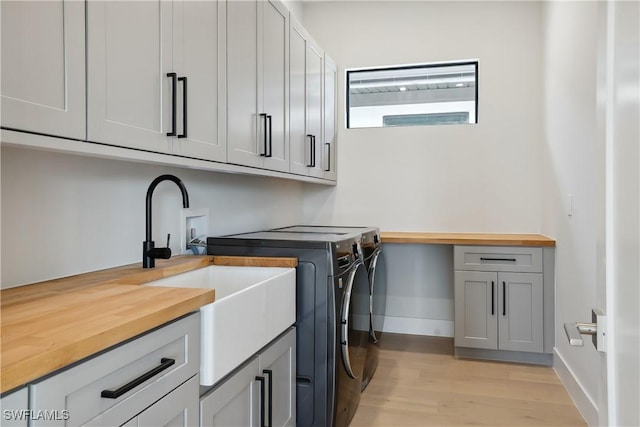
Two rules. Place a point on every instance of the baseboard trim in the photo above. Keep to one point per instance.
(545, 359)
(581, 399)
(411, 326)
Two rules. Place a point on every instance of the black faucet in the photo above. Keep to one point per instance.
(149, 251)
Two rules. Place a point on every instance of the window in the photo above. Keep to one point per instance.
(413, 95)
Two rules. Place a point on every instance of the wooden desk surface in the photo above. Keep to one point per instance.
(467, 238)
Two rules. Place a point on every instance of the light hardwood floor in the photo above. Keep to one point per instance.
(419, 383)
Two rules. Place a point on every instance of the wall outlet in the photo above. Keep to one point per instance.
(194, 224)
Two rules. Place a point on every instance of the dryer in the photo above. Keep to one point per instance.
(332, 316)
(374, 261)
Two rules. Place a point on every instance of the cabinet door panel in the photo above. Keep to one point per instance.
(242, 83)
(329, 118)
(275, 84)
(198, 42)
(299, 143)
(314, 103)
(177, 409)
(43, 71)
(280, 360)
(235, 402)
(476, 310)
(129, 55)
(521, 325)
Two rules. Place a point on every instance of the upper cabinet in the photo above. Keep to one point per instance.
(226, 85)
(153, 76)
(330, 132)
(257, 84)
(312, 111)
(43, 67)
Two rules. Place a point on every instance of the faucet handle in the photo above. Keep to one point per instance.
(168, 239)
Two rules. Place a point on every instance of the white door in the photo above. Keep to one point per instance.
(198, 50)
(315, 68)
(330, 130)
(275, 83)
(298, 140)
(619, 390)
(129, 54)
(43, 67)
(243, 123)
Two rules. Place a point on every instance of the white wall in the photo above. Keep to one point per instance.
(480, 178)
(65, 214)
(471, 178)
(573, 159)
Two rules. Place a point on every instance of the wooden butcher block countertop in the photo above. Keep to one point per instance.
(467, 238)
(49, 325)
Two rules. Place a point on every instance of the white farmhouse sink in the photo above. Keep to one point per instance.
(253, 306)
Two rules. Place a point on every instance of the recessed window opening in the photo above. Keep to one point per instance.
(413, 95)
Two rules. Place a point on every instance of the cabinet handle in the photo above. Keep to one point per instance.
(261, 380)
(270, 153)
(328, 157)
(114, 394)
(269, 373)
(174, 83)
(498, 259)
(184, 107)
(493, 298)
(313, 150)
(504, 298)
(311, 144)
(264, 135)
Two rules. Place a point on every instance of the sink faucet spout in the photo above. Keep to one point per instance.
(149, 251)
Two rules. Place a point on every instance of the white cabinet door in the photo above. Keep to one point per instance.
(234, 402)
(476, 311)
(300, 144)
(520, 301)
(177, 409)
(257, 86)
(15, 409)
(43, 67)
(129, 55)
(329, 134)
(198, 51)
(305, 109)
(275, 83)
(315, 68)
(278, 366)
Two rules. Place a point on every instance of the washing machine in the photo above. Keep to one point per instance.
(332, 316)
(374, 261)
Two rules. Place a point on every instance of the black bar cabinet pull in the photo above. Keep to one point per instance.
(328, 157)
(504, 298)
(184, 107)
(114, 394)
(174, 83)
(310, 164)
(264, 138)
(270, 153)
(493, 298)
(269, 373)
(261, 380)
(498, 259)
(313, 146)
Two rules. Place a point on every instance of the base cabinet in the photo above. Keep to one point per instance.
(500, 302)
(500, 311)
(14, 409)
(261, 392)
(152, 380)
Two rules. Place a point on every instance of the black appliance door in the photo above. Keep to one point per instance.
(354, 318)
(378, 294)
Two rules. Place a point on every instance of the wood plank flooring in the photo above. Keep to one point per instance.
(419, 383)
